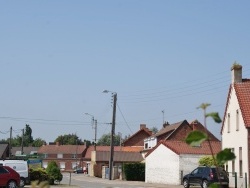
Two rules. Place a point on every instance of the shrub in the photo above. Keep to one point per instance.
(54, 172)
(134, 171)
(39, 175)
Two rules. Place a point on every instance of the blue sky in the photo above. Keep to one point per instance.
(58, 56)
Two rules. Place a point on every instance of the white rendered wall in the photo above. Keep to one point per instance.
(235, 139)
(162, 166)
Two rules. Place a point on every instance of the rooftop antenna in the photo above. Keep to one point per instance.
(163, 115)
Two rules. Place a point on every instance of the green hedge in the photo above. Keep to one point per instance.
(134, 171)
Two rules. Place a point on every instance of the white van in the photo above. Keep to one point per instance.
(21, 167)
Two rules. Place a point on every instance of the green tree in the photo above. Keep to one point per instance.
(154, 130)
(197, 137)
(105, 140)
(54, 172)
(38, 142)
(69, 139)
(207, 161)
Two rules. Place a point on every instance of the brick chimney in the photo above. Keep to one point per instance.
(236, 72)
(143, 126)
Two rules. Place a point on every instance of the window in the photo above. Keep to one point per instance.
(237, 120)
(74, 165)
(240, 162)
(62, 165)
(59, 155)
(146, 146)
(45, 155)
(74, 156)
(228, 122)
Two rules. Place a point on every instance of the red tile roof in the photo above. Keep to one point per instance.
(242, 90)
(243, 95)
(169, 128)
(180, 147)
(119, 156)
(61, 149)
(116, 148)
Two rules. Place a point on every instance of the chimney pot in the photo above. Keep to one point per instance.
(142, 126)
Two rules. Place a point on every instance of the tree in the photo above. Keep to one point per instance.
(197, 137)
(69, 139)
(54, 172)
(105, 140)
(207, 161)
(38, 142)
(154, 130)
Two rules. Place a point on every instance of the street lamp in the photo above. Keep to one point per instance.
(94, 124)
(111, 159)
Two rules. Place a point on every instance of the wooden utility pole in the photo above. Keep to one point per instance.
(112, 137)
(10, 142)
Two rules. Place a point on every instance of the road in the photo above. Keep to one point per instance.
(84, 181)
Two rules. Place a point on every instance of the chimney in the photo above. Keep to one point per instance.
(57, 143)
(236, 72)
(143, 126)
(165, 124)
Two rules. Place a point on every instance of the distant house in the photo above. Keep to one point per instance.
(4, 151)
(175, 132)
(99, 158)
(137, 139)
(235, 129)
(170, 159)
(19, 151)
(68, 157)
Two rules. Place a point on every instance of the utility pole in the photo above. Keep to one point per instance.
(10, 142)
(22, 141)
(112, 137)
(95, 134)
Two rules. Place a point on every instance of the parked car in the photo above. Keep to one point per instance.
(78, 171)
(20, 166)
(8, 177)
(204, 176)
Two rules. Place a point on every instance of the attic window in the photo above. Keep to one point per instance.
(237, 120)
(228, 122)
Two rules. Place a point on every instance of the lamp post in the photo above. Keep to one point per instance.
(111, 159)
(94, 124)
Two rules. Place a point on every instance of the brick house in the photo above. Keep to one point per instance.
(175, 132)
(137, 139)
(67, 157)
(99, 158)
(170, 159)
(235, 129)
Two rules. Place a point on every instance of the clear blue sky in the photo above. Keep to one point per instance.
(58, 56)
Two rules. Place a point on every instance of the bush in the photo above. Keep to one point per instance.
(134, 171)
(54, 172)
(207, 161)
(39, 175)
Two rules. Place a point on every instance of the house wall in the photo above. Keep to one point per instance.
(235, 138)
(150, 142)
(181, 133)
(162, 166)
(137, 140)
(189, 162)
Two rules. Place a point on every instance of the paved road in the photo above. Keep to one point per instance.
(83, 181)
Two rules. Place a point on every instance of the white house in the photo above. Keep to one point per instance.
(236, 123)
(170, 160)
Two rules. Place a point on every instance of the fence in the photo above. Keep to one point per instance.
(237, 181)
